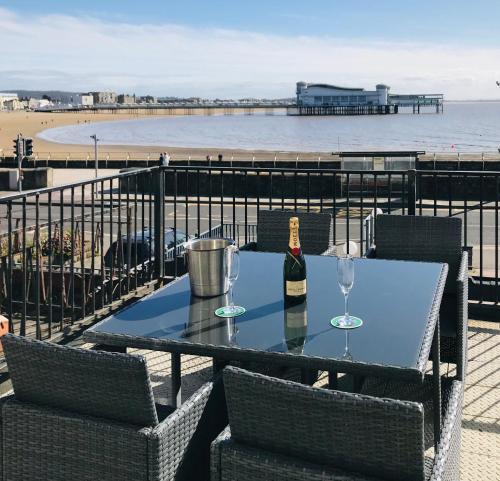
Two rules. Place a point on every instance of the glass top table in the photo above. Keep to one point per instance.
(398, 302)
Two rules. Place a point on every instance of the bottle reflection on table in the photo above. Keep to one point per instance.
(295, 327)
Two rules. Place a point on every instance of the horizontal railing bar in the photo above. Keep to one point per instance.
(121, 175)
(335, 172)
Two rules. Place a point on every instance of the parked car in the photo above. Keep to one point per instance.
(142, 246)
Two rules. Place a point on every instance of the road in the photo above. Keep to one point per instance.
(195, 218)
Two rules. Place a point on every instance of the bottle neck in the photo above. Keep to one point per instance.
(294, 241)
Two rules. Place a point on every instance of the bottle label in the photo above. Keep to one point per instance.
(296, 288)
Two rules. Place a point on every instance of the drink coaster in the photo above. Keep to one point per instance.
(230, 311)
(355, 322)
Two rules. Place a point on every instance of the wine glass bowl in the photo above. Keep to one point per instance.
(233, 271)
(345, 278)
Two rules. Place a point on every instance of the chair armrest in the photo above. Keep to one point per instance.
(3, 400)
(182, 441)
(463, 271)
(220, 441)
(447, 462)
(371, 253)
(462, 316)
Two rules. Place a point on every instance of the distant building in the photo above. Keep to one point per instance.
(104, 98)
(331, 95)
(4, 97)
(13, 104)
(33, 103)
(86, 100)
(146, 99)
(126, 99)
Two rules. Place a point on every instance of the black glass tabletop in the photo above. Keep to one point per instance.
(393, 298)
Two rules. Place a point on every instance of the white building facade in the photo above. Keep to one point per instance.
(87, 100)
(311, 95)
(104, 98)
(6, 98)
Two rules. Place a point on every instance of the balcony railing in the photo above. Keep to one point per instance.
(69, 254)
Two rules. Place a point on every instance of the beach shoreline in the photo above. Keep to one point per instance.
(32, 123)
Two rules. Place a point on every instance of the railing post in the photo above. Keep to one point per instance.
(412, 192)
(159, 220)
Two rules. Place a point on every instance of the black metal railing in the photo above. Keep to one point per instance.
(198, 197)
(68, 254)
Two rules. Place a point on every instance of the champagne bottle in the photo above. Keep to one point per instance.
(296, 327)
(294, 269)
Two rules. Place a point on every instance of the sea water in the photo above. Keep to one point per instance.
(462, 127)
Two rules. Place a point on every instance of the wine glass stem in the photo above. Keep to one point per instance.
(231, 302)
(346, 300)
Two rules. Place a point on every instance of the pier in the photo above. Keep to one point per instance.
(342, 110)
(418, 101)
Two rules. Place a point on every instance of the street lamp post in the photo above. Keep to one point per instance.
(96, 159)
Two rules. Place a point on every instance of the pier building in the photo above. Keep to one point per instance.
(325, 99)
(332, 95)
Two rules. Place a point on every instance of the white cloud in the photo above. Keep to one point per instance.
(63, 52)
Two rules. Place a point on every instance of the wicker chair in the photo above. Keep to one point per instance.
(288, 431)
(89, 415)
(433, 239)
(273, 231)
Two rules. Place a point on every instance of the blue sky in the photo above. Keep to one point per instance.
(461, 21)
(251, 48)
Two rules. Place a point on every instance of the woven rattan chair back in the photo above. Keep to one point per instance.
(421, 238)
(373, 436)
(273, 231)
(101, 384)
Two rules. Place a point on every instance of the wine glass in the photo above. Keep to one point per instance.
(345, 277)
(233, 271)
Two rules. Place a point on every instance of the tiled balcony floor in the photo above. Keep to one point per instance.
(481, 411)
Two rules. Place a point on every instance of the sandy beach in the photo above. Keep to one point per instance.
(31, 123)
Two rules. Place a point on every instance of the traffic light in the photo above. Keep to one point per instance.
(28, 147)
(16, 148)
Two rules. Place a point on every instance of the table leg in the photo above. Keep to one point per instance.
(308, 376)
(333, 379)
(219, 365)
(436, 382)
(175, 360)
(357, 383)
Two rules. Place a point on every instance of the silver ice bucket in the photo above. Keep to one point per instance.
(209, 261)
